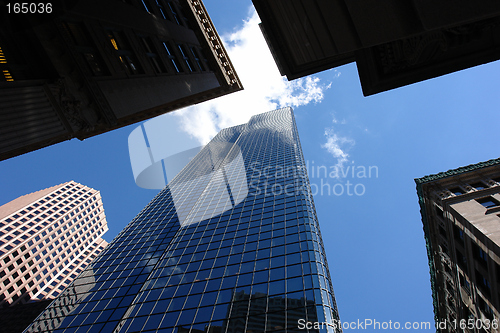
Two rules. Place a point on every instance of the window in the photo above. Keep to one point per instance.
(162, 9)
(479, 186)
(85, 46)
(488, 202)
(485, 308)
(457, 191)
(439, 212)
(185, 56)
(459, 234)
(124, 52)
(152, 54)
(483, 283)
(6, 75)
(480, 255)
(172, 58)
(442, 232)
(461, 260)
(173, 12)
(196, 58)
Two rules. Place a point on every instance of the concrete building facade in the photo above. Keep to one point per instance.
(461, 216)
(47, 239)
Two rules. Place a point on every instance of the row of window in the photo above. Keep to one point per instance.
(162, 56)
(478, 185)
(220, 229)
(225, 246)
(168, 10)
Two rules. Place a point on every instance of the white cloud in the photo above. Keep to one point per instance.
(264, 88)
(336, 73)
(338, 146)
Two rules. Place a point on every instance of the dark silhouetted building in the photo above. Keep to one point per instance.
(82, 68)
(231, 244)
(461, 215)
(393, 42)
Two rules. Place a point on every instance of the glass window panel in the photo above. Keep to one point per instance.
(217, 272)
(225, 296)
(278, 250)
(176, 303)
(248, 256)
(192, 301)
(294, 284)
(265, 235)
(202, 275)
(110, 326)
(295, 299)
(264, 253)
(245, 279)
(153, 295)
(161, 306)
(250, 246)
(277, 273)
(232, 269)
(233, 259)
(291, 248)
(168, 292)
(182, 290)
(276, 287)
(261, 276)
(275, 320)
(153, 322)
(206, 264)
(259, 290)
(229, 282)
(169, 319)
(292, 259)
(220, 312)
(194, 266)
(220, 261)
(203, 314)
(292, 238)
(208, 299)
(213, 285)
(137, 323)
(278, 261)
(237, 248)
(247, 267)
(278, 241)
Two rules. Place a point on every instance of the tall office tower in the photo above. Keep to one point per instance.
(231, 244)
(393, 42)
(47, 239)
(461, 215)
(75, 69)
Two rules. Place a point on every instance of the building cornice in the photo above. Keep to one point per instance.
(458, 171)
(215, 43)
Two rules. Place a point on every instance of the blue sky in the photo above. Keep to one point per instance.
(374, 241)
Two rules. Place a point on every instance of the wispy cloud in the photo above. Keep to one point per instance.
(264, 88)
(338, 146)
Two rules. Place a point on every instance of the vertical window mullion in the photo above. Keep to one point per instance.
(186, 58)
(172, 58)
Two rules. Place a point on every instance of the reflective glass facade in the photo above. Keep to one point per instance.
(232, 244)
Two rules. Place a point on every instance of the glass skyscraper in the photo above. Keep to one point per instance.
(231, 244)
